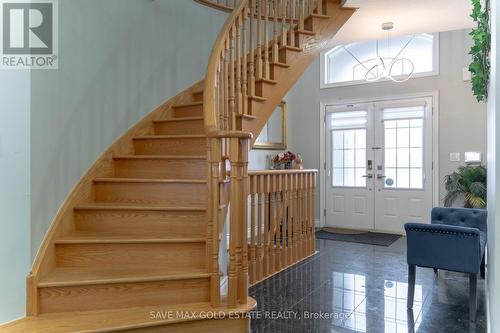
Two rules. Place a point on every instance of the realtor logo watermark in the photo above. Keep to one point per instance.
(29, 34)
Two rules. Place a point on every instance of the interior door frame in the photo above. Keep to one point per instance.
(434, 95)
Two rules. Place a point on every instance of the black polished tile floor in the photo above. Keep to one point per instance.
(349, 287)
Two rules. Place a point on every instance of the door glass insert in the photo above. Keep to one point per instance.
(348, 148)
(403, 147)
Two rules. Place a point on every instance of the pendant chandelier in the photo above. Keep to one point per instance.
(386, 66)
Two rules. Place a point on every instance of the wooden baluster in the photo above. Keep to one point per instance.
(266, 40)
(306, 214)
(313, 193)
(272, 224)
(252, 247)
(260, 241)
(258, 61)
(301, 16)
(291, 16)
(233, 274)
(283, 22)
(251, 64)
(275, 32)
(289, 225)
(214, 157)
(239, 104)
(279, 216)
(267, 239)
(319, 7)
(295, 237)
(225, 80)
(244, 89)
(244, 147)
(302, 221)
(231, 65)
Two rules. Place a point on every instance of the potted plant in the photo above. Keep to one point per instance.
(467, 183)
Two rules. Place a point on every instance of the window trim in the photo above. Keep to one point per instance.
(434, 72)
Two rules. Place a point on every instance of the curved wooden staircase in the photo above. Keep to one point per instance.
(136, 243)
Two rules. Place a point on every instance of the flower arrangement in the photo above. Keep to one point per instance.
(284, 160)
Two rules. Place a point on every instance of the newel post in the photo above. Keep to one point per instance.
(238, 238)
(214, 158)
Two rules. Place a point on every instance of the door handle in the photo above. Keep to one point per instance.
(380, 176)
(368, 176)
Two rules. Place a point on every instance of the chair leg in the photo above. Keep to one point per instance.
(411, 285)
(472, 296)
(483, 266)
(435, 270)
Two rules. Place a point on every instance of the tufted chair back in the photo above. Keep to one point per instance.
(463, 217)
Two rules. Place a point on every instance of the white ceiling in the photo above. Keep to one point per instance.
(409, 16)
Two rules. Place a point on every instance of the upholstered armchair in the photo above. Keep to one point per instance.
(455, 241)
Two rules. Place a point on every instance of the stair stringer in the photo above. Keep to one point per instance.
(82, 192)
(325, 27)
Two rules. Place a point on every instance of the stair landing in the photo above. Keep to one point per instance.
(172, 318)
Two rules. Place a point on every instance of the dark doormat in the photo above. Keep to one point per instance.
(372, 238)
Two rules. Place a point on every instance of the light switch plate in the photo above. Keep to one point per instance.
(454, 157)
(472, 157)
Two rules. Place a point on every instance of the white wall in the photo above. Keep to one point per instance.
(14, 191)
(462, 120)
(493, 268)
(119, 59)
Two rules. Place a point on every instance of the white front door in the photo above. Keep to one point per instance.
(379, 165)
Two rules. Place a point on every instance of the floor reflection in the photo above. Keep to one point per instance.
(351, 287)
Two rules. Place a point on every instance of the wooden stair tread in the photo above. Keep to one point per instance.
(177, 119)
(134, 206)
(146, 180)
(246, 116)
(183, 105)
(77, 276)
(181, 136)
(257, 98)
(117, 319)
(266, 81)
(304, 32)
(160, 157)
(292, 48)
(279, 64)
(102, 238)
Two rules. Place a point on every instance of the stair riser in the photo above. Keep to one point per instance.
(312, 23)
(171, 146)
(180, 127)
(277, 71)
(122, 295)
(180, 194)
(161, 168)
(188, 111)
(263, 89)
(286, 55)
(172, 223)
(198, 96)
(134, 256)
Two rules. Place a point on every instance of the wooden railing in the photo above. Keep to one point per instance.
(246, 46)
(281, 220)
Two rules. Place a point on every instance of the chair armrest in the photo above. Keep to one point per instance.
(443, 246)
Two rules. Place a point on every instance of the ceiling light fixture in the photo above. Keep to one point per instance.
(385, 66)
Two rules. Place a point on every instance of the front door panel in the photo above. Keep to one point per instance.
(379, 165)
